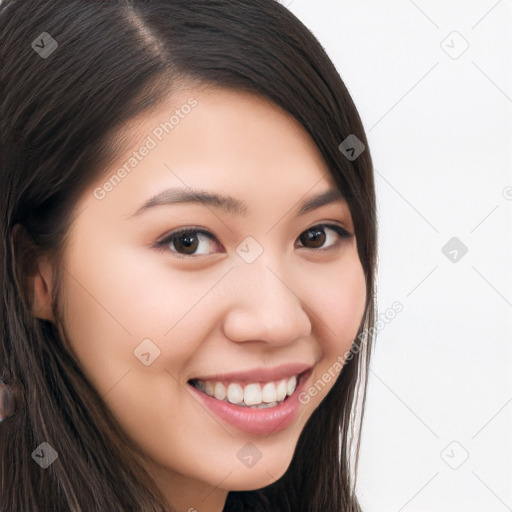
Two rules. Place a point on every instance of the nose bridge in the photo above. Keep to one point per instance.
(265, 305)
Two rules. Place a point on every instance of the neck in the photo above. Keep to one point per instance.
(186, 494)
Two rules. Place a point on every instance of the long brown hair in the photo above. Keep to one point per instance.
(97, 64)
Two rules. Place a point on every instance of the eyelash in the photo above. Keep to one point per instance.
(164, 243)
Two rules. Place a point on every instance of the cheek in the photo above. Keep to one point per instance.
(112, 301)
(352, 300)
(340, 303)
(130, 291)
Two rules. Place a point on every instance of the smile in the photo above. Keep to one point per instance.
(261, 401)
(258, 395)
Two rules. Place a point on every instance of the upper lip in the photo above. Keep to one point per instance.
(261, 374)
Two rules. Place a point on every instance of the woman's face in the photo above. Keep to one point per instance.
(245, 301)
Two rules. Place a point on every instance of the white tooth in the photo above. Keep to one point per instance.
(291, 384)
(235, 393)
(252, 394)
(281, 390)
(208, 387)
(268, 392)
(219, 391)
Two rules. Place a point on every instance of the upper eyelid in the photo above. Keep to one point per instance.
(187, 229)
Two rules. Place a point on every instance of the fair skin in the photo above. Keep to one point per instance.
(211, 312)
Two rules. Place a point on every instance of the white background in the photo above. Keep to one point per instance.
(439, 123)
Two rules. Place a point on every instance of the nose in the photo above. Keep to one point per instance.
(265, 305)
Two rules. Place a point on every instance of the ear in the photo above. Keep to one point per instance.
(33, 272)
(41, 285)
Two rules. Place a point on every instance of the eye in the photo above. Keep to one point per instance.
(316, 236)
(189, 242)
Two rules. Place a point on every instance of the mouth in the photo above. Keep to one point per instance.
(256, 395)
(262, 401)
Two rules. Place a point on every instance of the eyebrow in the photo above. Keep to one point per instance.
(228, 203)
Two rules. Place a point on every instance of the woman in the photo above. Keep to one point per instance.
(188, 260)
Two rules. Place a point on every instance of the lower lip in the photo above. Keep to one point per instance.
(257, 421)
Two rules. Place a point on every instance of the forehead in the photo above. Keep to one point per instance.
(215, 139)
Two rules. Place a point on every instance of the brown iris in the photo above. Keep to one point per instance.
(315, 236)
(186, 243)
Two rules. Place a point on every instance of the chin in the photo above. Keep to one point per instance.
(259, 476)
